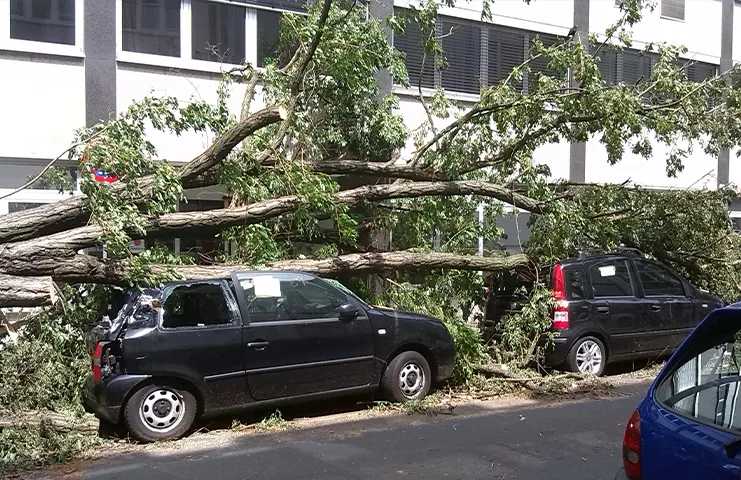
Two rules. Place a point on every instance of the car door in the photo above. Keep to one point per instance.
(295, 343)
(199, 339)
(690, 423)
(615, 307)
(668, 313)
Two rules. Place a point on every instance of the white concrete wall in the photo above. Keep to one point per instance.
(42, 100)
(135, 82)
(700, 169)
(699, 32)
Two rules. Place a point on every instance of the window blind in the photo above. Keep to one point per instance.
(410, 42)
(506, 51)
(461, 45)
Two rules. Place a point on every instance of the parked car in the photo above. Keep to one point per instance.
(610, 307)
(688, 425)
(255, 339)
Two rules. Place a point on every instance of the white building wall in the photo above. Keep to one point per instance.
(42, 100)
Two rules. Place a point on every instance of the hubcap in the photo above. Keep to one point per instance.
(589, 357)
(162, 410)
(411, 379)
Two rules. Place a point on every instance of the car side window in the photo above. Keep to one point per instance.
(657, 280)
(196, 305)
(706, 386)
(611, 279)
(288, 297)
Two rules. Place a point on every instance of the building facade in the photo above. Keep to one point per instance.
(67, 63)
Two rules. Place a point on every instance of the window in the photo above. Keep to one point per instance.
(539, 65)
(608, 65)
(673, 9)
(203, 248)
(611, 279)
(706, 387)
(268, 35)
(20, 206)
(461, 45)
(636, 67)
(196, 305)
(506, 51)
(417, 62)
(574, 280)
(701, 71)
(49, 21)
(290, 297)
(151, 26)
(15, 175)
(658, 281)
(218, 32)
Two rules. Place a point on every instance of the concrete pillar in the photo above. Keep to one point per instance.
(100, 60)
(578, 151)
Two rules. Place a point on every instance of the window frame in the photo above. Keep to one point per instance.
(633, 283)
(236, 318)
(665, 16)
(32, 46)
(186, 61)
(637, 262)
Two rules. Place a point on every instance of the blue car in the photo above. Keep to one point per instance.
(689, 424)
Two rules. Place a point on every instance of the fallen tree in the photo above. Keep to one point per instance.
(282, 166)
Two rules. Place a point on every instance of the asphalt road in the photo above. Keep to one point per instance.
(486, 441)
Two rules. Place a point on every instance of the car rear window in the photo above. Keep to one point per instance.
(706, 387)
(509, 283)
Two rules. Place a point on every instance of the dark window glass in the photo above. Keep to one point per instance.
(701, 71)
(417, 62)
(608, 65)
(203, 248)
(286, 297)
(50, 21)
(574, 280)
(636, 67)
(657, 280)
(611, 279)
(507, 49)
(151, 26)
(20, 206)
(218, 32)
(706, 387)
(268, 34)
(539, 65)
(672, 9)
(15, 175)
(462, 50)
(196, 305)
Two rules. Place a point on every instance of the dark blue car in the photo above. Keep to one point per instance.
(689, 424)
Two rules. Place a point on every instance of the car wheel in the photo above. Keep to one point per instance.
(588, 355)
(160, 412)
(407, 377)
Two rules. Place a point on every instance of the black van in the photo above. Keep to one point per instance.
(212, 347)
(610, 307)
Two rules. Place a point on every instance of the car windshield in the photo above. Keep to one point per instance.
(706, 387)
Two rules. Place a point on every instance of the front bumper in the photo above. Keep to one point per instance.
(105, 399)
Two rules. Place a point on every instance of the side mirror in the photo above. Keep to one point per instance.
(348, 312)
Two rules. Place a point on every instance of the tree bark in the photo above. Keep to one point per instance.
(89, 269)
(70, 213)
(65, 243)
(26, 292)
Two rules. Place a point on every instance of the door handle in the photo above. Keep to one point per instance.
(656, 308)
(258, 345)
(603, 309)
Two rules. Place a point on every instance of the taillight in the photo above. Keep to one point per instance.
(561, 310)
(632, 447)
(97, 373)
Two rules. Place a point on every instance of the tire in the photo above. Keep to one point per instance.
(158, 412)
(588, 355)
(407, 377)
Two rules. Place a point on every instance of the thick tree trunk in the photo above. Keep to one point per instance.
(26, 292)
(173, 224)
(88, 269)
(60, 216)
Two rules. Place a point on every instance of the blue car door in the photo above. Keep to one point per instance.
(690, 421)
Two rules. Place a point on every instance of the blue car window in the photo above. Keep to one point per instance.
(707, 386)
